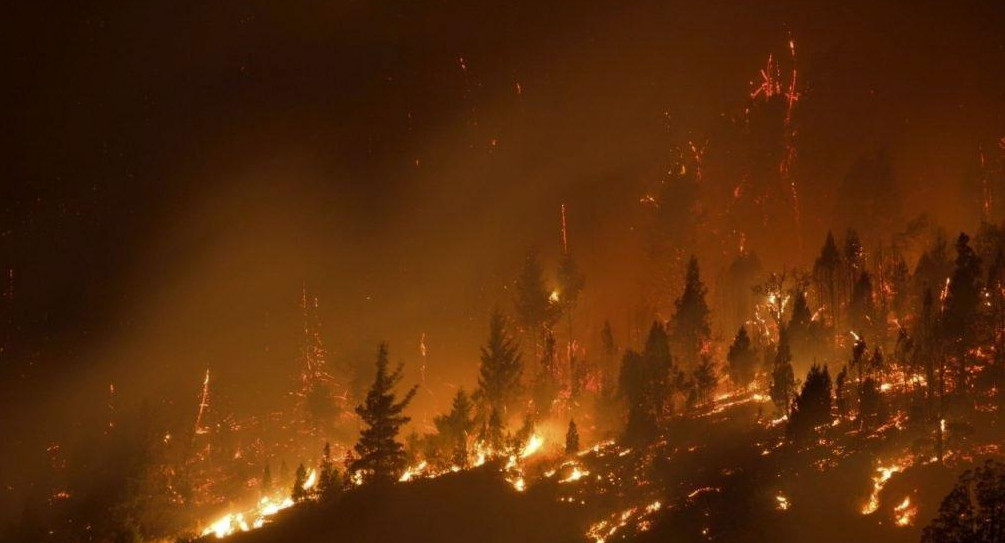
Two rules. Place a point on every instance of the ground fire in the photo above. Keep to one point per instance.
(336, 271)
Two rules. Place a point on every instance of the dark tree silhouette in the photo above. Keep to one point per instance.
(455, 427)
(974, 510)
(861, 309)
(298, 493)
(690, 329)
(742, 359)
(329, 482)
(645, 384)
(267, 480)
(826, 276)
(812, 407)
(501, 368)
(961, 312)
(534, 309)
(705, 380)
(783, 381)
(841, 392)
(572, 439)
(546, 383)
(381, 458)
(870, 404)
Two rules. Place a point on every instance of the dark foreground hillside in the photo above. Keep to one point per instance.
(477, 505)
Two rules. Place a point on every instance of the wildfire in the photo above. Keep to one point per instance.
(232, 523)
(883, 474)
(904, 513)
(533, 445)
(575, 475)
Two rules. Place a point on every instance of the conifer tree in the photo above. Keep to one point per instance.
(861, 308)
(960, 326)
(783, 381)
(328, 480)
(742, 359)
(534, 309)
(572, 439)
(298, 493)
(609, 347)
(705, 380)
(841, 392)
(870, 402)
(812, 407)
(546, 385)
(455, 427)
(501, 368)
(646, 382)
(381, 457)
(492, 432)
(267, 480)
(690, 326)
(826, 272)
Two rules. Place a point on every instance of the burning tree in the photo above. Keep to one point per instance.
(381, 458)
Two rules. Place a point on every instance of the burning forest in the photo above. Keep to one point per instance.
(331, 271)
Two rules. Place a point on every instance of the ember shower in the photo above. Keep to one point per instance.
(327, 271)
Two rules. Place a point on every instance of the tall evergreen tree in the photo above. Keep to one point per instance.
(690, 327)
(267, 480)
(862, 311)
(641, 424)
(534, 308)
(572, 439)
(609, 349)
(742, 359)
(812, 407)
(841, 399)
(298, 493)
(870, 404)
(381, 458)
(960, 318)
(329, 482)
(783, 381)
(546, 382)
(826, 276)
(455, 427)
(501, 368)
(705, 380)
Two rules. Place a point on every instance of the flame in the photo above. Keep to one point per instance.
(576, 475)
(232, 523)
(312, 479)
(883, 474)
(783, 502)
(904, 513)
(533, 445)
(412, 472)
(553, 298)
